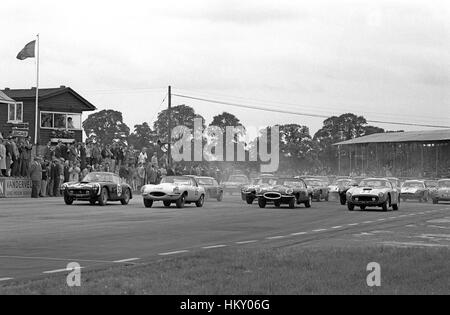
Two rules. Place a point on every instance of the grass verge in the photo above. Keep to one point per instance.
(263, 271)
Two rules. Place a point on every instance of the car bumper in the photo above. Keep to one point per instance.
(411, 196)
(373, 201)
(171, 197)
(77, 194)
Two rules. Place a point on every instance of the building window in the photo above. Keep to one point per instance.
(53, 120)
(15, 113)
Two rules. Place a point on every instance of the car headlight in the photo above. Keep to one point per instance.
(142, 189)
(349, 194)
(64, 186)
(176, 190)
(380, 194)
(289, 191)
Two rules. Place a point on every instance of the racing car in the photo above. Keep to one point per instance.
(373, 192)
(289, 191)
(441, 192)
(414, 189)
(179, 190)
(97, 187)
(248, 192)
(320, 188)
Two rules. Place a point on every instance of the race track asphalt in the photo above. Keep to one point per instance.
(40, 237)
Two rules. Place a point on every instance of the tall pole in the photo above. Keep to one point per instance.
(37, 93)
(169, 113)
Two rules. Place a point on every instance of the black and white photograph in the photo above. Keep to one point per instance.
(224, 154)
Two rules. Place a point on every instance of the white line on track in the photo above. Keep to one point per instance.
(367, 222)
(246, 242)
(214, 246)
(299, 233)
(381, 220)
(173, 253)
(5, 279)
(337, 227)
(126, 260)
(353, 224)
(319, 230)
(59, 270)
(275, 237)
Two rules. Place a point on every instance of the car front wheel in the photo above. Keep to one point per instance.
(181, 201)
(148, 203)
(68, 200)
(103, 198)
(126, 198)
(262, 202)
(350, 206)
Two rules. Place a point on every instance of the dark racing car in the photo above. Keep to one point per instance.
(212, 188)
(248, 192)
(97, 187)
(289, 191)
(320, 188)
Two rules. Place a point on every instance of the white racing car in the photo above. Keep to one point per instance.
(180, 190)
(373, 192)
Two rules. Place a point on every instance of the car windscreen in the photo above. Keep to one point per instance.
(444, 184)
(269, 181)
(343, 182)
(413, 185)
(238, 179)
(374, 183)
(98, 177)
(292, 183)
(176, 180)
(314, 182)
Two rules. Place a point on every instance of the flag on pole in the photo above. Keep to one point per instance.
(28, 51)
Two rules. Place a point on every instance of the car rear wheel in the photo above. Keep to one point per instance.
(262, 202)
(309, 202)
(103, 198)
(148, 203)
(68, 200)
(167, 203)
(126, 198)
(327, 197)
(220, 197)
(249, 200)
(181, 201)
(200, 202)
(350, 206)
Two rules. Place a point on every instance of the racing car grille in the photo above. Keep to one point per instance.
(365, 198)
(272, 195)
(79, 192)
(157, 194)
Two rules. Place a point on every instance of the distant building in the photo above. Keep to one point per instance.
(59, 115)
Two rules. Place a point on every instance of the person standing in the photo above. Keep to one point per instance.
(2, 158)
(36, 177)
(155, 160)
(25, 157)
(43, 192)
(143, 157)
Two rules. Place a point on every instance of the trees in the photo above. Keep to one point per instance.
(182, 115)
(142, 136)
(106, 127)
(336, 129)
(297, 147)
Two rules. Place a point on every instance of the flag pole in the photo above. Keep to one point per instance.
(37, 93)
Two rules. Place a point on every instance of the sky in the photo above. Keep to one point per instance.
(385, 60)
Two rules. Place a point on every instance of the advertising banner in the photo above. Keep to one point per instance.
(15, 187)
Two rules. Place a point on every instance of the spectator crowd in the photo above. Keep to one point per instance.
(71, 162)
